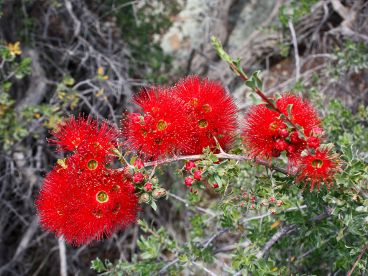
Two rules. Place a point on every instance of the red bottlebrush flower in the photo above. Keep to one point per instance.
(189, 165)
(163, 128)
(263, 128)
(318, 167)
(213, 112)
(197, 175)
(102, 141)
(138, 177)
(188, 181)
(138, 164)
(83, 134)
(82, 209)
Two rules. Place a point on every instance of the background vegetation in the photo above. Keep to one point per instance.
(62, 57)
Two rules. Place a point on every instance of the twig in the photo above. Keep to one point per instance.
(220, 156)
(279, 234)
(62, 254)
(291, 209)
(296, 52)
(163, 270)
(204, 268)
(211, 213)
(364, 249)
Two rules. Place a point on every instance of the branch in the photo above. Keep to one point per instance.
(220, 156)
(287, 229)
(62, 253)
(365, 248)
(296, 52)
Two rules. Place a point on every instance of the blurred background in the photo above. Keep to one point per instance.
(62, 57)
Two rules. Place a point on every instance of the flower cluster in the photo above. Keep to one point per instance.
(81, 198)
(183, 119)
(292, 127)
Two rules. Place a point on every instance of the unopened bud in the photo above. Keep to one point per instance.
(144, 198)
(158, 193)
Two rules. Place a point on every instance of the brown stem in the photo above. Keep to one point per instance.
(261, 94)
(358, 259)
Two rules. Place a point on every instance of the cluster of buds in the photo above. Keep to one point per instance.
(146, 185)
(251, 202)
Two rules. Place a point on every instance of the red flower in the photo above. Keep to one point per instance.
(163, 128)
(84, 135)
(82, 209)
(213, 112)
(266, 135)
(318, 167)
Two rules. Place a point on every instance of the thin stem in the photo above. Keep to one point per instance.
(223, 155)
(365, 248)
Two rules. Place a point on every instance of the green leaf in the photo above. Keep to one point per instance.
(98, 265)
(254, 80)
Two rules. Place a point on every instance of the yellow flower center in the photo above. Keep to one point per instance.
(92, 164)
(317, 163)
(102, 197)
(161, 125)
(202, 123)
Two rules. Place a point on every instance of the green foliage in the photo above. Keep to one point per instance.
(295, 10)
(15, 124)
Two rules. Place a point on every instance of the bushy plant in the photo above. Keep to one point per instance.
(287, 196)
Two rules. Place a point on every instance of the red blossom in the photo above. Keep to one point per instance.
(163, 128)
(212, 112)
(82, 209)
(318, 167)
(84, 135)
(265, 134)
(215, 185)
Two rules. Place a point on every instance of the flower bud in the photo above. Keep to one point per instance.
(294, 137)
(148, 187)
(313, 142)
(283, 132)
(188, 181)
(189, 165)
(215, 185)
(138, 164)
(197, 175)
(144, 198)
(158, 193)
(281, 145)
(138, 177)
